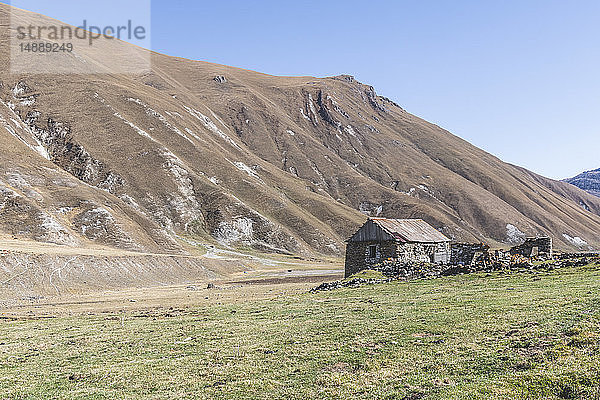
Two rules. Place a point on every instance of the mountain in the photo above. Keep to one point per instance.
(588, 181)
(191, 151)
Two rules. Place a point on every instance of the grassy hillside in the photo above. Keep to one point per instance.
(224, 155)
(478, 336)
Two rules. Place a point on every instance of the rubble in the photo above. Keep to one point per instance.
(394, 270)
(352, 283)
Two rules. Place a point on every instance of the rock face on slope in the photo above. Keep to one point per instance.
(588, 181)
(152, 161)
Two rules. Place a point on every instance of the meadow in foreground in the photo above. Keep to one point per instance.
(485, 336)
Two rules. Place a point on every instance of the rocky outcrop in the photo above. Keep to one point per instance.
(72, 157)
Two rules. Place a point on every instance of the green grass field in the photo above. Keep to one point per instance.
(482, 336)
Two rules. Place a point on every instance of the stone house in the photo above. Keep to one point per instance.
(404, 240)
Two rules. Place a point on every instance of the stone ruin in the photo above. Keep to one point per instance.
(468, 258)
(479, 253)
(534, 247)
(467, 253)
(394, 271)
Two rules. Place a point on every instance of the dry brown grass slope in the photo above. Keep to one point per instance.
(287, 164)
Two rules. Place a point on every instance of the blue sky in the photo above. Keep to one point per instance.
(518, 78)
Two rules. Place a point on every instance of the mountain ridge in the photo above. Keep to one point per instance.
(193, 150)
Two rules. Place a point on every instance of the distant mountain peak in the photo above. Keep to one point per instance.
(588, 181)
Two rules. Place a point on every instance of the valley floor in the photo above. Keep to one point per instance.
(35, 276)
(480, 336)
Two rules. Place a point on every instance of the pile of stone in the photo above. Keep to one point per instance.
(403, 270)
(565, 256)
(575, 262)
(510, 264)
(394, 270)
(351, 283)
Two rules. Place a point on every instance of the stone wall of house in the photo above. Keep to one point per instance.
(465, 253)
(424, 252)
(442, 253)
(413, 252)
(358, 255)
(533, 247)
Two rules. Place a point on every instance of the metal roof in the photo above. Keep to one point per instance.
(410, 230)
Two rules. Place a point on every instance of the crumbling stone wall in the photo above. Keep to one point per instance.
(393, 271)
(358, 255)
(534, 247)
(465, 253)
